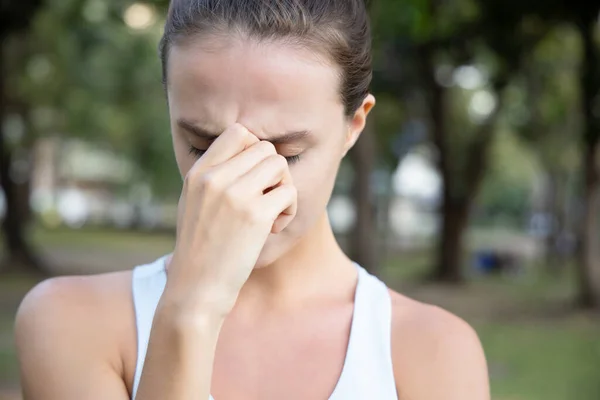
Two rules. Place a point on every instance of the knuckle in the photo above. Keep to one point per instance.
(209, 182)
(254, 215)
(231, 197)
(244, 211)
(192, 178)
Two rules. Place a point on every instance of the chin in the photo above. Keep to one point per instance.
(262, 262)
(275, 248)
(269, 255)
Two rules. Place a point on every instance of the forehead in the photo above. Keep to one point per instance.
(268, 84)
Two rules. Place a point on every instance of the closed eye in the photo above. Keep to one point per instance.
(199, 153)
(293, 159)
(196, 152)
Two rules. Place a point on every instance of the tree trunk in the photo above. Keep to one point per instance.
(364, 237)
(554, 207)
(447, 266)
(588, 258)
(454, 213)
(384, 225)
(454, 220)
(590, 88)
(19, 254)
(459, 190)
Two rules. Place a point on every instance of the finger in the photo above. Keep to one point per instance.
(230, 143)
(240, 165)
(282, 204)
(266, 175)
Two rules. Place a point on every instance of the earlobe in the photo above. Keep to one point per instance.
(357, 123)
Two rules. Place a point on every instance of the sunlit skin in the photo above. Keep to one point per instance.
(288, 331)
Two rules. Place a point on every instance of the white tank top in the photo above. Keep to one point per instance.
(367, 373)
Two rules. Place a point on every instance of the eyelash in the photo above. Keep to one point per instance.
(196, 152)
(199, 153)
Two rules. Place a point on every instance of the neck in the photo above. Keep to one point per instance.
(314, 263)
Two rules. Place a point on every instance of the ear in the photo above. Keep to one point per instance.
(357, 122)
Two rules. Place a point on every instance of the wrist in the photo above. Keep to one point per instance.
(207, 309)
(181, 321)
(197, 295)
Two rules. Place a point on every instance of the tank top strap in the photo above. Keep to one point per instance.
(148, 284)
(368, 372)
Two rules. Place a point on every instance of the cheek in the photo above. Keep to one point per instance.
(317, 169)
(314, 178)
(184, 160)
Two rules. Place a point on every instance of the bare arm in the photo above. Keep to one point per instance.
(180, 356)
(232, 198)
(437, 355)
(64, 351)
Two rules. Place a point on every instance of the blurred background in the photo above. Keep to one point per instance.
(476, 185)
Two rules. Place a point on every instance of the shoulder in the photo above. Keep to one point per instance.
(72, 301)
(68, 324)
(435, 353)
(60, 290)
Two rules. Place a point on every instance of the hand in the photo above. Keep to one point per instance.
(233, 197)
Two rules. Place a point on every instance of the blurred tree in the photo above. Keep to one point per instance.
(363, 240)
(546, 113)
(102, 83)
(510, 182)
(15, 19)
(586, 15)
(395, 137)
(86, 69)
(425, 42)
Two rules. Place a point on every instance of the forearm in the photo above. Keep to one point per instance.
(180, 356)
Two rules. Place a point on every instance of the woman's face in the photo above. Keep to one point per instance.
(271, 89)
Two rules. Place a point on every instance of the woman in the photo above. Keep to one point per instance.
(257, 301)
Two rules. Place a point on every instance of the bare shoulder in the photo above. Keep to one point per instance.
(429, 326)
(75, 303)
(72, 331)
(435, 353)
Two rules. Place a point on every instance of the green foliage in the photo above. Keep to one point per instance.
(550, 100)
(388, 117)
(98, 79)
(89, 75)
(510, 181)
(415, 19)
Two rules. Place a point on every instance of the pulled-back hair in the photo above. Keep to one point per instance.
(338, 29)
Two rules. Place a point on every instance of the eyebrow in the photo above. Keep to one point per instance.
(202, 133)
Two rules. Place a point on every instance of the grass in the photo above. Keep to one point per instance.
(8, 359)
(538, 347)
(109, 240)
(553, 361)
(12, 290)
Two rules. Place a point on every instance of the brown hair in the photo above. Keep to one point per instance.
(338, 28)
